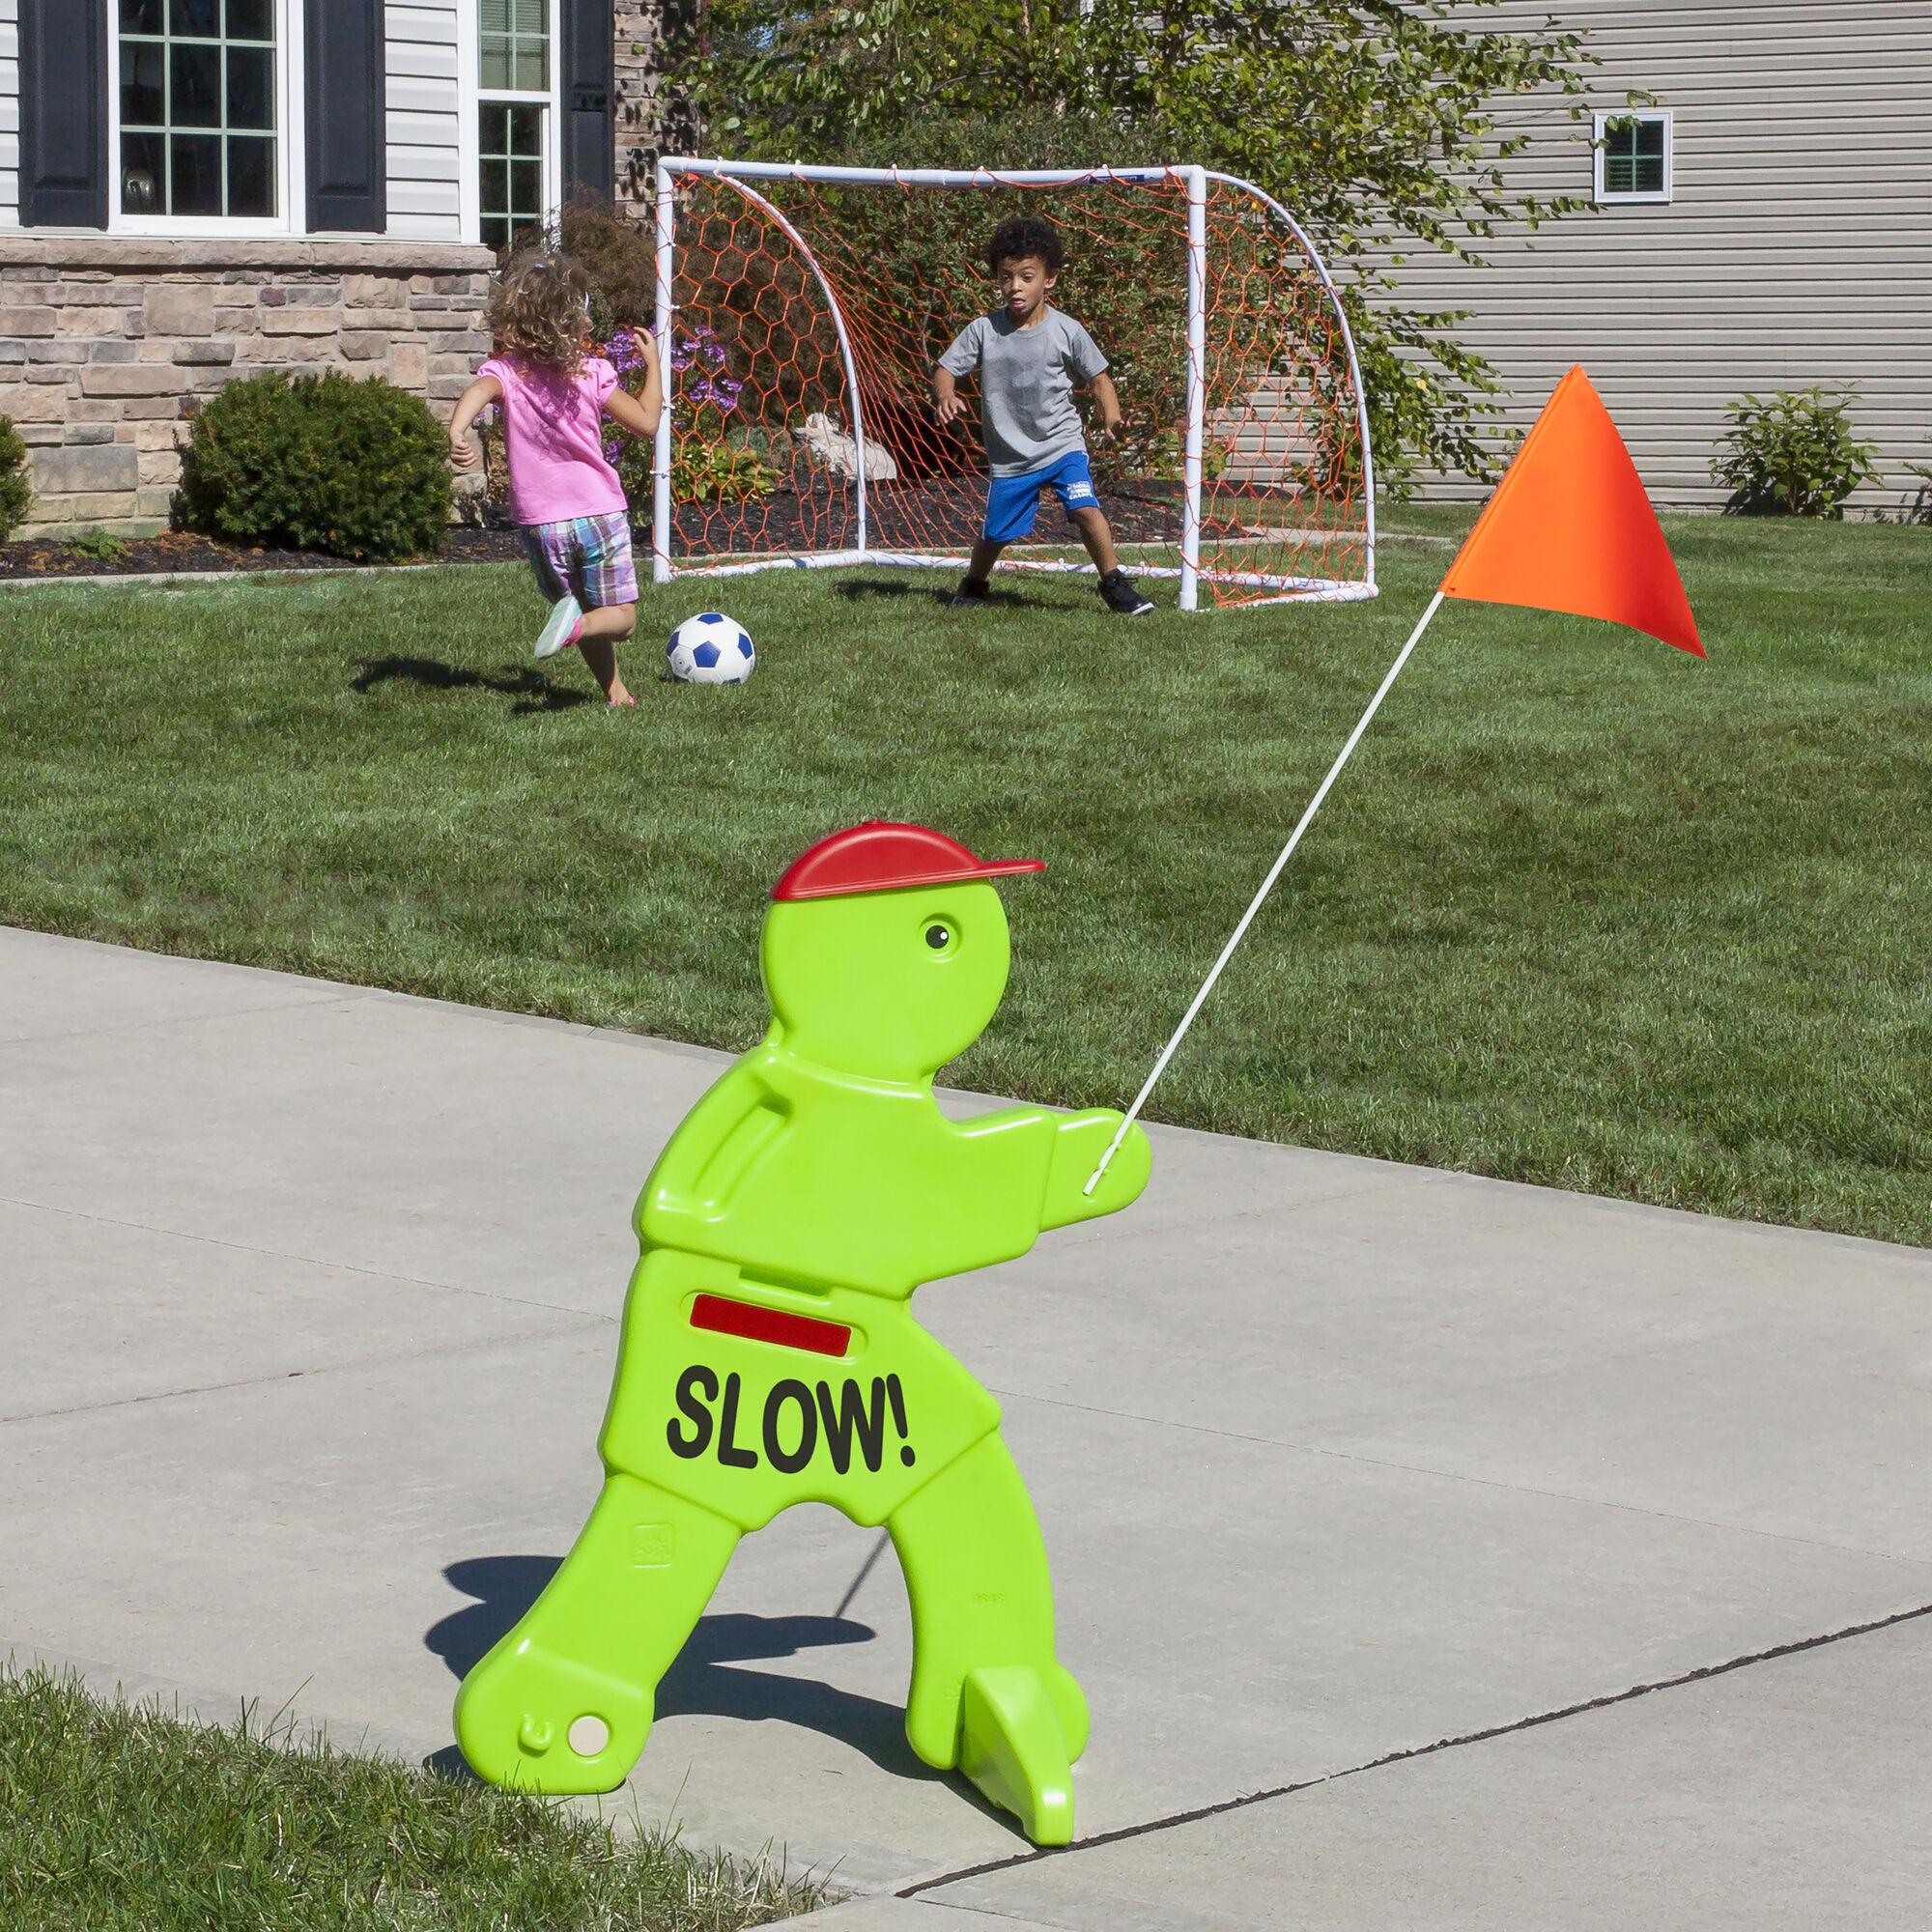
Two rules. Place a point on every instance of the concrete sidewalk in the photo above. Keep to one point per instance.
(1350, 1473)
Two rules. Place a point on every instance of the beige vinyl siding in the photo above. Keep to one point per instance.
(10, 114)
(1797, 249)
(425, 158)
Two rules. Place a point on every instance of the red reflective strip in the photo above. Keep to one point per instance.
(768, 1324)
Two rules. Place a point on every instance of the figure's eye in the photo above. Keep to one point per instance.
(938, 937)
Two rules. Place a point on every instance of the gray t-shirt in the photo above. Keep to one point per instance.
(1026, 386)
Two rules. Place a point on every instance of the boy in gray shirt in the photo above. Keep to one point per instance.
(1029, 356)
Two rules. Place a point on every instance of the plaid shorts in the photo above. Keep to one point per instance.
(586, 557)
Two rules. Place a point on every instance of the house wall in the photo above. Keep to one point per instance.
(109, 346)
(424, 120)
(424, 131)
(9, 113)
(1797, 250)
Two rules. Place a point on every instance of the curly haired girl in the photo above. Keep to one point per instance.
(551, 394)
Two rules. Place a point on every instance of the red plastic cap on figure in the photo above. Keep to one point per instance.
(880, 857)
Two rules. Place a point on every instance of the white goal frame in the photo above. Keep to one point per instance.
(742, 175)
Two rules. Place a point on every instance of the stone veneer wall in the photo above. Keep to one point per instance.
(107, 345)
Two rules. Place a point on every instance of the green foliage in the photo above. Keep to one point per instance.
(121, 1819)
(16, 493)
(357, 469)
(717, 472)
(101, 544)
(1794, 456)
(1919, 510)
(1370, 118)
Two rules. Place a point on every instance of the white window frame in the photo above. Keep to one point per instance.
(1608, 198)
(291, 146)
(473, 97)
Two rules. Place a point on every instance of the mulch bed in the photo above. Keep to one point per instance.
(805, 512)
(181, 551)
(918, 517)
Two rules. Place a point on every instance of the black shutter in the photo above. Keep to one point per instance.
(347, 107)
(588, 147)
(63, 113)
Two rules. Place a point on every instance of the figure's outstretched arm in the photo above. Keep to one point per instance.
(1077, 1147)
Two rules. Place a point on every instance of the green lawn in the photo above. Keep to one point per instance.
(121, 1819)
(1584, 911)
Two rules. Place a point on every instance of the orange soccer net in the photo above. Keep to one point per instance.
(807, 313)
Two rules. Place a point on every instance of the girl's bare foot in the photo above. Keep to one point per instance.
(617, 696)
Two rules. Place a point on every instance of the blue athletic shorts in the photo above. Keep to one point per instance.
(1012, 501)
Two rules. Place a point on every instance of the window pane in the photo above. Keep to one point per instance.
(526, 187)
(1619, 174)
(140, 16)
(251, 80)
(495, 233)
(1648, 176)
(197, 174)
(494, 188)
(532, 16)
(525, 132)
(144, 174)
(196, 73)
(251, 176)
(493, 128)
(1648, 139)
(494, 17)
(494, 65)
(532, 67)
(143, 84)
(199, 17)
(250, 20)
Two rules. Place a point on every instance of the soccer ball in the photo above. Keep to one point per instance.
(710, 649)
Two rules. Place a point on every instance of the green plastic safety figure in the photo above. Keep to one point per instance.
(769, 1355)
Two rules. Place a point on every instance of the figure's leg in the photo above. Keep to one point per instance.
(592, 1647)
(987, 1692)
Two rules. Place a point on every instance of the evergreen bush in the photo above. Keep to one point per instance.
(1794, 456)
(16, 493)
(356, 468)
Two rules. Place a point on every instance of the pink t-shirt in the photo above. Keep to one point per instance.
(553, 435)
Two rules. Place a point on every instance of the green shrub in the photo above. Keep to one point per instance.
(359, 469)
(1793, 456)
(16, 493)
(101, 544)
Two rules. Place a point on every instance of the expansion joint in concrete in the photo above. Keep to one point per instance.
(1175, 1819)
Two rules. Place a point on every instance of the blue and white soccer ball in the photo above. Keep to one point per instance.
(710, 649)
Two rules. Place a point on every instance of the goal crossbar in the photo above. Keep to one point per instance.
(1194, 182)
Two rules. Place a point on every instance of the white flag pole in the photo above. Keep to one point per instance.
(1255, 904)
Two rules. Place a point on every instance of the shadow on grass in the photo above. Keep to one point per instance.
(701, 1682)
(857, 589)
(532, 690)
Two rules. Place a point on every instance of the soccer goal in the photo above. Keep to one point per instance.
(801, 311)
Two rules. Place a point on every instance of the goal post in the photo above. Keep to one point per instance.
(801, 309)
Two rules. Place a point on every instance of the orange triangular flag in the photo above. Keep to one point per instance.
(1570, 529)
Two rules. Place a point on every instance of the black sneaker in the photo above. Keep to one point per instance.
(971, 590)
(1123, 595)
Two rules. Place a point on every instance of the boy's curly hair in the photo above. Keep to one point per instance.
(1021, 235)
(540, 310)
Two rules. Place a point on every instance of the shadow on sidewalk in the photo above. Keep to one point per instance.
(701, 1682)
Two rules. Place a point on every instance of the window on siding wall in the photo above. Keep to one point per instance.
(1634, 158)
(197, 107)
(513, 36)
(512, 155)
(513, 118)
